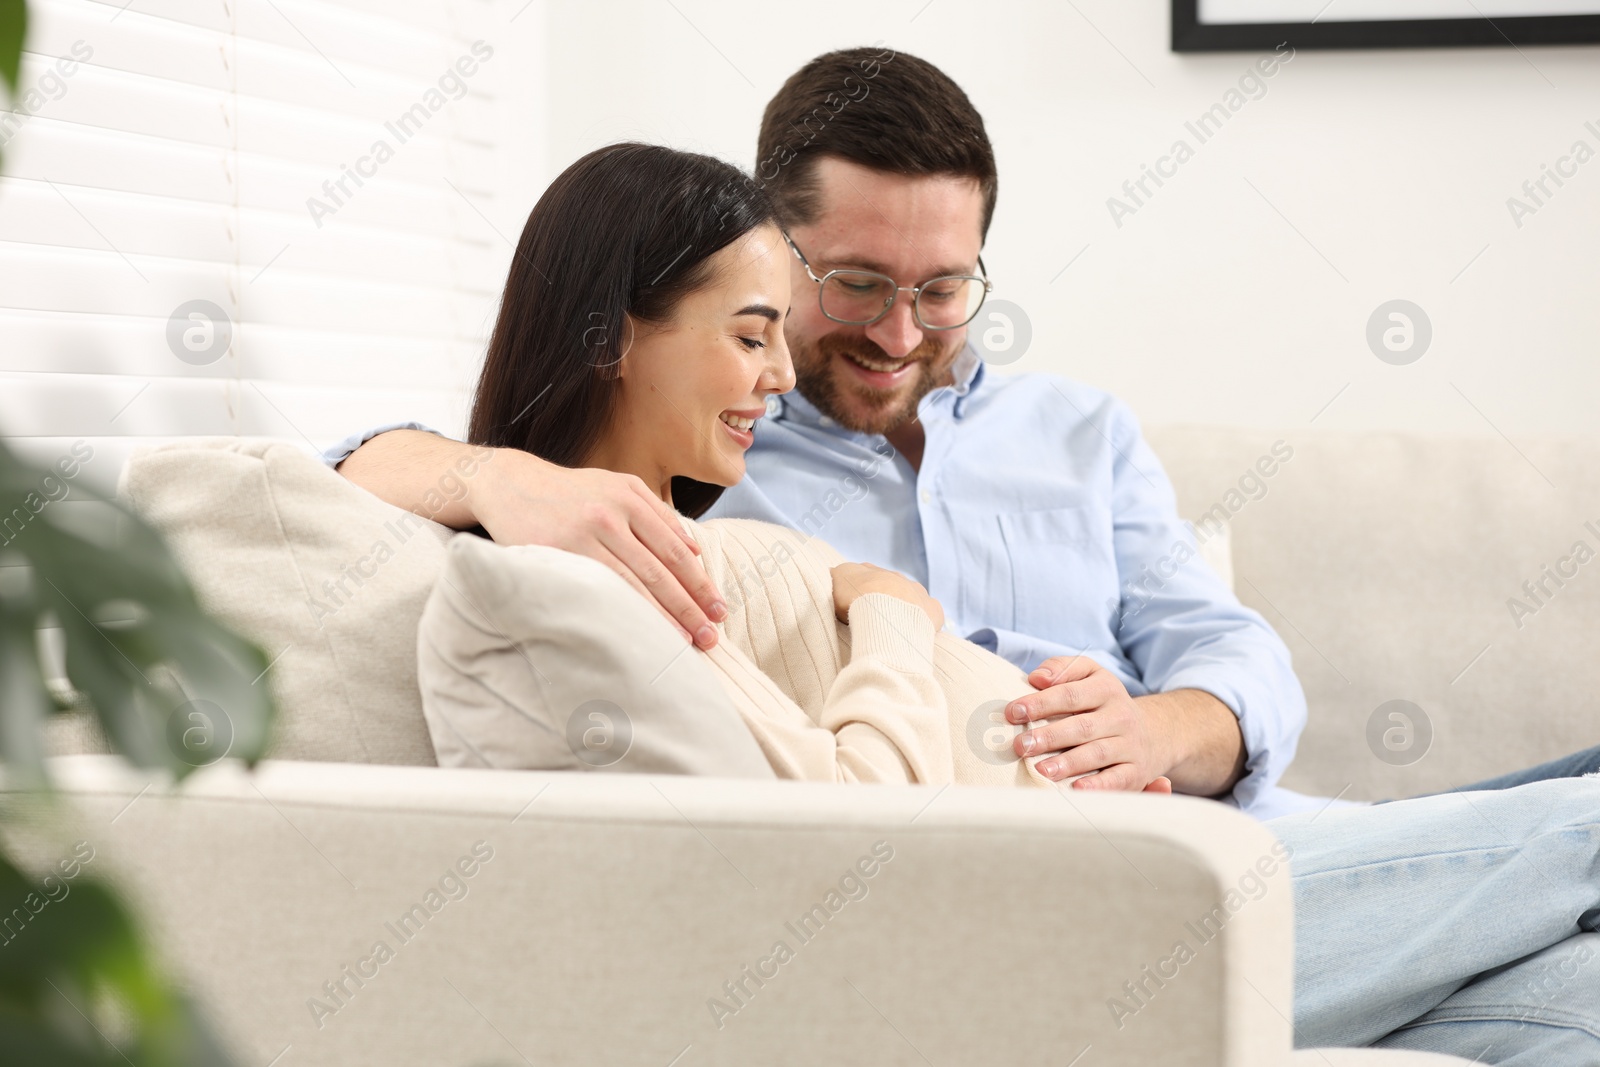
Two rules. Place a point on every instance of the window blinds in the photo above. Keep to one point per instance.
(246, 217)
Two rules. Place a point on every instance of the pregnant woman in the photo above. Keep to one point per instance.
(641, 331)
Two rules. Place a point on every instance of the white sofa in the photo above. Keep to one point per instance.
(1002, 927)
(981, 927)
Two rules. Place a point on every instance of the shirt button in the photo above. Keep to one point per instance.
(927, 497)
(824, 420)
(774, 405)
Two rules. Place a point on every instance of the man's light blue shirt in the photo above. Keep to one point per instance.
(1045, 525)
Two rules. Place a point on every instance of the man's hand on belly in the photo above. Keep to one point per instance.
(1122, 742)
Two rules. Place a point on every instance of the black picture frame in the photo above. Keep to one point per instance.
(1189, 34)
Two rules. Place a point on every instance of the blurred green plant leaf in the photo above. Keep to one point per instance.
(70, 950)
(143, 655)
(149, 660)
(13, 31)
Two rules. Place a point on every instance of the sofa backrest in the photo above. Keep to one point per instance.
(1456, 576)
(1437, 594)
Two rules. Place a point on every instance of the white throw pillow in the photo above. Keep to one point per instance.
(325, 577)
(534, 658)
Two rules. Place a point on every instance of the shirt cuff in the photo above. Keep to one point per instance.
(340, 452)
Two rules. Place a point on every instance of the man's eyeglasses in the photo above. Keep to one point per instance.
(862, 297)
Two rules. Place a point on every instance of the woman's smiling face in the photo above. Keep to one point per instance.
(691, 389)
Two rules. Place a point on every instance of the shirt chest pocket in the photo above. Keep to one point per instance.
(1063, 572)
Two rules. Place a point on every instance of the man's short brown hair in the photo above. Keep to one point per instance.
(875, 108)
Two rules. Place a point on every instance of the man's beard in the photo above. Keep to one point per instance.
(854, 404)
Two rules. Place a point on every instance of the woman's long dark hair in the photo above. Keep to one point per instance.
(625, 231)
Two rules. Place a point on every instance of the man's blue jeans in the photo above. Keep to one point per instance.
(1574, 766)
(1462, 923)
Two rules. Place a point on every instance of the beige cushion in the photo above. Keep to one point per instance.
(535, 658)
(326, 578)
(1388, 563)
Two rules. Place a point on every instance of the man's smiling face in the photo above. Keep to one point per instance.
(870, 378)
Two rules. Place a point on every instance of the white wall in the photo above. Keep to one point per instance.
(1206, 305)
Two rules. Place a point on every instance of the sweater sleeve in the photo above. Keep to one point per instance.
(889, 685)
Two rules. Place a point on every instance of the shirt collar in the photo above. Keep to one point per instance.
(966, 372)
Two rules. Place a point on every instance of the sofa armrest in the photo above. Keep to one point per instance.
(398, 915)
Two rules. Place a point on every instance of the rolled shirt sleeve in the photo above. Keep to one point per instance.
(1182, 628)
(338, 453)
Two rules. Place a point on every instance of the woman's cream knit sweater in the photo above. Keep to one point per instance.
(882, 699)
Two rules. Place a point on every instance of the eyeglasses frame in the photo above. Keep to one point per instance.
(914, 290)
